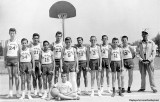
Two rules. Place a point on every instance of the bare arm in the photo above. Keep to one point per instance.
(76, 59)
(5, 52)
(100, 58)
(33, 60)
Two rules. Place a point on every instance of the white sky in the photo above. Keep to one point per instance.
(94, 17)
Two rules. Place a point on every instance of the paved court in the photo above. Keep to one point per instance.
(146, 96)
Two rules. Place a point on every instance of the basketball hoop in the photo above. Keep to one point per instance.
(62, 15)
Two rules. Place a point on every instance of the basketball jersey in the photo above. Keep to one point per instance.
(104, 51)
(25, 55)
(81, 53)
(58, 50)
(93, 52)
(69, 54)
(126, 52)
(12, 48)
(36, 50)
(46, 57)
(115, 54)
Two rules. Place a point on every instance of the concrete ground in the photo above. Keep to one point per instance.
(146, 96)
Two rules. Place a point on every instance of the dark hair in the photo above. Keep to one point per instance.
(114, 39)
(104, 36)
(45, 42)
(12, 30)
(125, 37)
(58, 33)
(36, 34)
(80, 38)
(63, 73)
(68, 38)
(24, 39)
(93, 37)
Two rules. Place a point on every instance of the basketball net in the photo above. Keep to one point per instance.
(62, 15)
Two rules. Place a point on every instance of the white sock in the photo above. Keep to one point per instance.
(23, 93)
(10, 92)
(92, 90)
(73, 80)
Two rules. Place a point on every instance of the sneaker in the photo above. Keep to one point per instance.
(129, 91)
(123, 90)
(35, 92)
(120, 94)
(92, 94)
(18, 95)
(155, 91)
(109, 91)
(141, 90)
(40, 94)
(86, 92)
(9, 96)
(99, 93)
(79, 92)
(22, 97)
(44, 96)
(113, 94)
(76, 98)
(29, 97)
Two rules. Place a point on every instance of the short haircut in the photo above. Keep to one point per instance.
(24, 39)
(45, 42)
(58, 33)
(63, 73)
(80, 38)
(68, 38)
(125, 37)
(36, 34)
(104, 36)
(12, 30)
(93, 37)
(114, 39)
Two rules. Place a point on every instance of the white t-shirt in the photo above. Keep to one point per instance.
(93, 52)
(58, 50)
(115, 54)
(69, 54)
(36, 50)
(12, 48)
(25, 55)
(81, 53)
(47, 57)
(126, 52)
(104, 51)
(64, 88)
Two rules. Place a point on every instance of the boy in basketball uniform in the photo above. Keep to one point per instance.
(26, 56)
(11, 51)
(105, 62)
(95, 64)
(70, 62)
(57, 49)
(36, 48)
(48, 63)
(82, 54)
(116, 64)
(128, 54)
(63, 90)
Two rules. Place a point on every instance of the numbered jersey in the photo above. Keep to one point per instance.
(46, 57)
(25, 55)
(12, 48)
(58, 50)
(69, 54)
(93, 52)
(115, 54)
(81, 53)
(126, 52)
(104, 51)
(36, 50)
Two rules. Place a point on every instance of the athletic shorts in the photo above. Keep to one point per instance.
(12, 61)
(115, 66)
(47, 68)
(94, 64)
(105, 63)
(82, 65)
(69, 66)
(57, 67)
(25, 68)
(128, 63)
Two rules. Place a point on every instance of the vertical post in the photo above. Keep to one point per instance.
(63, 29)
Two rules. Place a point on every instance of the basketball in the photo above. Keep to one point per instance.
(54, 92)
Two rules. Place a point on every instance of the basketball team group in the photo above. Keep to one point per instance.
(41, 65)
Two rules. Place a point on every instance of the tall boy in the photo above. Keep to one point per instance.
(11, 56)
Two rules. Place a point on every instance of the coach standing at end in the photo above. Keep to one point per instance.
(146, 52)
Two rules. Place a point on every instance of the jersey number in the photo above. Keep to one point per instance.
(24, 56)
(115, 55)
(12, 47)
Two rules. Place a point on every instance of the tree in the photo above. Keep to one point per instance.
(157, 42)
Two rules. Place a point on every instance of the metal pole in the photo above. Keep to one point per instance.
(63, 29)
